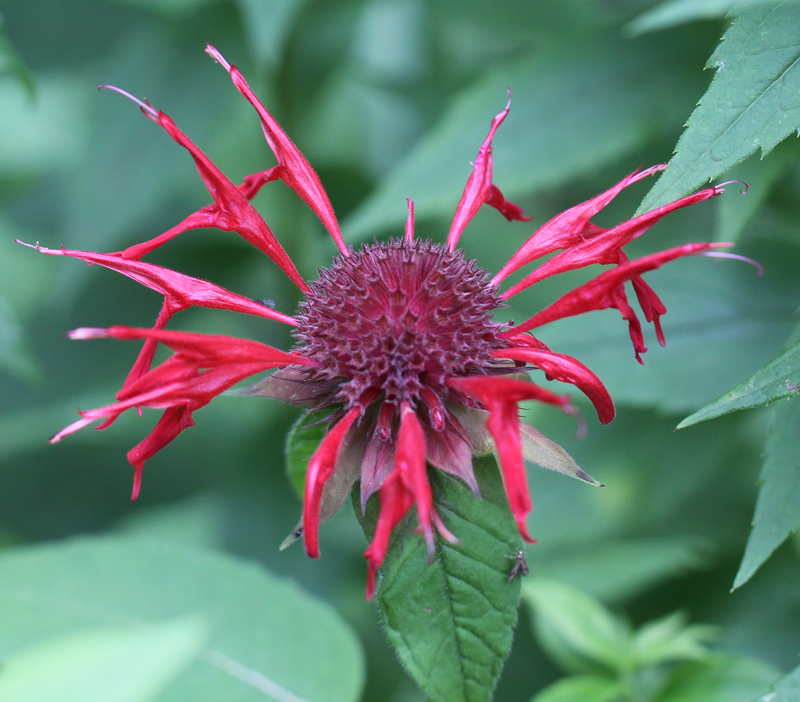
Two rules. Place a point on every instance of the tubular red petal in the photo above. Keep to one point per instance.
(181, 291)
(500, 397)
(145, 358)
(210, 350)
(409, 460)
(479, 189)
(235, 213)
(409, 238)
(567, 370)
(598, 293)
(508, 209)
(177, 382)
(569, 227)
(396, 500)
(172, 422)
(320, 468)
(297, 172)
(203, 218)
(604, 247)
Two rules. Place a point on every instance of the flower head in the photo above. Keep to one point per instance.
(397, 339)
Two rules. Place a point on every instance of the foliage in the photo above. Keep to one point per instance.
(390, 99)
(664, 660)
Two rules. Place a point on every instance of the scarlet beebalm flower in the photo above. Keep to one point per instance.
(396, 339)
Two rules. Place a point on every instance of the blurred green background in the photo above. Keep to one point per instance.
(387, 99)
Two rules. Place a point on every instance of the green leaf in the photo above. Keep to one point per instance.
(787, 689)
(582, 688)
(266, 634)
(778, 508)
(773, 382)
(108, 665)
(677, 12)
(452, 622)
(603, 102)
(302, 440)
(753, 101)
(197, 521)
(575, 629)
(722, 679)
(670, 639)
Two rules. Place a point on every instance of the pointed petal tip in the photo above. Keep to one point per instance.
(736, 257)
(731, 182)
(87, 333)
(144, 105)
(137, 481)
(217, 56)
(370, 593)
(71, 429)
(41, 249)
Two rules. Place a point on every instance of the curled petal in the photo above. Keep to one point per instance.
(179, 390)
(320, 468)
(202, 219)
(396, 500)
(172, 422)
(295, 170)
(603, 292)
(211, 350)
(604, 247)
(234, 211)
(570, 227)
(177, 385)
(181, 291)
(480, 190)
(409, 459)
(500, 397)
(567, 370)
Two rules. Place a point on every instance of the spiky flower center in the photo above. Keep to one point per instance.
(399, 318)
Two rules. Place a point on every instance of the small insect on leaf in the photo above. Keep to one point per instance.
(520, 566)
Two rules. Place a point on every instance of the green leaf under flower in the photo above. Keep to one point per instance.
(753, 102)
(452, 622)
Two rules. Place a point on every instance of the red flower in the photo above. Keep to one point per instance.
(396, 338)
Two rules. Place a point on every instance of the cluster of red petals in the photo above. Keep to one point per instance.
(204, 366)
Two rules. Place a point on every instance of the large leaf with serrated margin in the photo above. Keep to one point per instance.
(787, 689)
(452, 622)
(676, 12)
(776, 380)
(753, 101)
(778, 507)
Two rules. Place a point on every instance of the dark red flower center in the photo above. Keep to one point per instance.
(399, 318)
